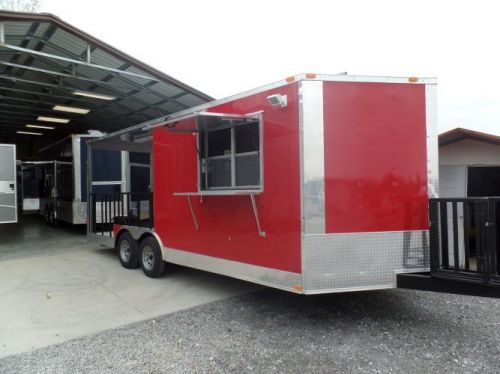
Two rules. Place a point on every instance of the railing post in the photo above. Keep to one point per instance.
(102, 215)
(92, 208)
(456, 257)
(434, 234)
(443, 233)
(466, 225)
(138, 204)
(105, 224)
(490, 239)
(493, 244)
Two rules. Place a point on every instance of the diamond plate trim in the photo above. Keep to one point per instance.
(362, 261)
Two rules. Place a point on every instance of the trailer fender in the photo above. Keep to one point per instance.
(139, 233)
(157, 238)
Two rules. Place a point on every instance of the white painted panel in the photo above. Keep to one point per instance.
(452, 181)
(460, 231)
(8, 183)
(469, 152)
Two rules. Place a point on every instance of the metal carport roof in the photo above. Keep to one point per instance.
(44, 61)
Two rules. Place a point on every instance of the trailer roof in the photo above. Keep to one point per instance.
(45, 62)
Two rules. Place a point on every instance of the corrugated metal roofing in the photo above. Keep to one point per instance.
(35, 75)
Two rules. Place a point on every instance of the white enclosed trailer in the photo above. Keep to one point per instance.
(8, 190)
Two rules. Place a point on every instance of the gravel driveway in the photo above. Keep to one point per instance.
(276, 332)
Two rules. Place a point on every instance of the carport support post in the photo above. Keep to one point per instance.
(88, 53)
(2, 33)
(90, 197)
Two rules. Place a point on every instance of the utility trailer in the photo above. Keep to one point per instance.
(313, 184)
(64, 193)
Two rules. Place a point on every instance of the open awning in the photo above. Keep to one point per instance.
(207, 121)
(138, 138)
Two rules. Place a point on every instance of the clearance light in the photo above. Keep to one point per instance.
(70, 109)
(52, 119)
(94, 95)
(413, 79)
(40, 127)
(29, 133)
(310, 76)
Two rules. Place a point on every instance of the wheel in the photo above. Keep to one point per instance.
(152, 263)
(128, 251)
(46, 214)
(52, 220)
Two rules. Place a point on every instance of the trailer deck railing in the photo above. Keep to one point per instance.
(125, 208)
(464, 239)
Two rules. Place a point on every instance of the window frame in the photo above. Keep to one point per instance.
(203, 177)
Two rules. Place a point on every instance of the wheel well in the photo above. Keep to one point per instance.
(120, 233)
(140, 239)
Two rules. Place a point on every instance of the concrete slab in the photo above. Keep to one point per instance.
(32, 237)
(66, 291)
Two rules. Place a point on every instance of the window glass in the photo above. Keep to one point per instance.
(139, 158)
(139, 179)
(64, 182)
(219, 172)
(230, 164)
(67, 149)
(105, 189)
(247, 138)
(219, 142)
(248, 170)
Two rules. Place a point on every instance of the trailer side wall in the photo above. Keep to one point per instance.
(227, 226)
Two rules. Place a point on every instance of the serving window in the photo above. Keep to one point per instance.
(229, 148)
(230, 158)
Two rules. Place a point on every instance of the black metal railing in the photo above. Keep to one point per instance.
(464, 239)
(125, 208)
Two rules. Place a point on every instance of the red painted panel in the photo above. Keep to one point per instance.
(227, 224)
(116, 229)
(375, 157)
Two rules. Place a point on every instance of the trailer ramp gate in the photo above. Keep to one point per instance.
(464, 246)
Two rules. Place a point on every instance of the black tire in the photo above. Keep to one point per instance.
(128, 251)
(152, 263)
(52, 220)
(46, 214)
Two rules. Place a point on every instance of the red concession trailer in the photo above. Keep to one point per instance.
(313, 184)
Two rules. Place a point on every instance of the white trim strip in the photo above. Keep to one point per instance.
(252, 273)
(105, 183)
(313, 157)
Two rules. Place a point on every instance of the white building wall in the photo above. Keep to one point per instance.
(456, 157)
(469, 152)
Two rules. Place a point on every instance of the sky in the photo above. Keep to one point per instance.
(225, 47)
